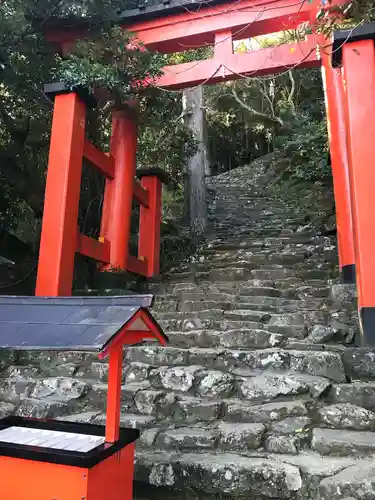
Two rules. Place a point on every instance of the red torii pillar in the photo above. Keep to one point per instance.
(60, 238)
(118, 194)
(336, 123)
(355, 51)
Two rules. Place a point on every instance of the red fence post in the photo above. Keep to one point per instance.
(149, 225)
(334, 97)
(358, 57)
(114, 395)
(118, 195)
(59, 230)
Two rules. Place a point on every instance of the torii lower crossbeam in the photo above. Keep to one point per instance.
(225, 67)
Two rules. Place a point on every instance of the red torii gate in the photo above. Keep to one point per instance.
(176, 28)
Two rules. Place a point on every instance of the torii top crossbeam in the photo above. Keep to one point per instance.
(178, 26)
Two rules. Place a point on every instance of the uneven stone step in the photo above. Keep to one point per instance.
(352, 483)
(242, 338)
(267, 387)
(42, 408)
(336, 442)
(222, 437)
(194, 323)
(319, 363)
(358, 393)
(223, 473)
(240, 411)
(347, 416)
(256, 395)
(246, 315)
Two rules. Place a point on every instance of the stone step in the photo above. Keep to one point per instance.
(195, 323)
(214, 315)
(170, 408)
(339, 443)
(253, 395)
(269, 272)
(214, 473)
(211, 318)
(242, 362)
(242, 338)
(160, 389)
(350, 481)
(41, 408)
(97, 417)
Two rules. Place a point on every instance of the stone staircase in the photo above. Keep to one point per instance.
(261, 392)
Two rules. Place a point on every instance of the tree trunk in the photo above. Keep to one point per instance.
(195, 185)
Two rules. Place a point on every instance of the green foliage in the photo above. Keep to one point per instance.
(104, 63)
(305, 151)
(110, 62)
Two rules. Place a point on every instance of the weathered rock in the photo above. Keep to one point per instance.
(251, 339)
(324, 364)
(196, 410)
(130, 420)
(23, 372)
(47, 408)
(86, 417)
(224, 473)
(214, 384)
(246, 315)
(195, 338)
(287, 319)
(60, 388)
(321, 333)
(178, 378)
(269, 412)
(145, 401)
(360, 363)
(6, 409)
(97, 371)
(359, 394)
(15, 388)
(266, 387)
(237, 436)
(347, 416)
(343, 294)
(186, 438)
(292, 425)
(148, 437)
(254, 360)
(282, 444)
(205, 357)
(136, 372)
(313, 465)
(233, 274)
(356, 482)
(335, 442)
(156, 355)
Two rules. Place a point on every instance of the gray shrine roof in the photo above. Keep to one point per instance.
(70, 323)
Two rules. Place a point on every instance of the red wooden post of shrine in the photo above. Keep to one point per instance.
(61, 239)
(356, 50)
(334, 96)
(112, 426)
(59, 229)
(118, 195)
(149, 225)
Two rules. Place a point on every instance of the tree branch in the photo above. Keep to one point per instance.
(259, 114)
(291, 93)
